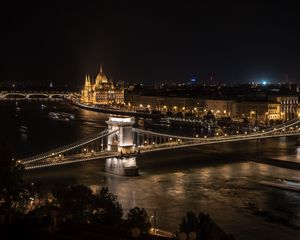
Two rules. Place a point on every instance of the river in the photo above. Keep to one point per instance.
(220, 180)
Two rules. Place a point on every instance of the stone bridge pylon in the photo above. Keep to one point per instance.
(121, 138)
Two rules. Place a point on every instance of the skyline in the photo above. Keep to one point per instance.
(149, 43)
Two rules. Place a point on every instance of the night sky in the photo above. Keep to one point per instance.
(149, 42)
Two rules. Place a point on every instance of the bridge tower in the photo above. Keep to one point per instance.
(121, 137)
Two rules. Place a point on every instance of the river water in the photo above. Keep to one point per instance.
(218, 179)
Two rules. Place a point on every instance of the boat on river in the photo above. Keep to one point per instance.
(23, 129)
(62, 116)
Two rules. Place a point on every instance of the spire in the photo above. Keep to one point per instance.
(101, 68)
(86, 80)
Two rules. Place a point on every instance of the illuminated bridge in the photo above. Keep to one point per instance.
(120, 143)
(12, 95)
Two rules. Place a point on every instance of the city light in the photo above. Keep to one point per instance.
(198, 129)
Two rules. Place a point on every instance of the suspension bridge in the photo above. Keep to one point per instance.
(121, 143)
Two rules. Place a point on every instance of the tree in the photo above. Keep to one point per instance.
(11, 184)
(74, 201)
(78, 204)
(106, 208)
(138, 218)
(209, 117)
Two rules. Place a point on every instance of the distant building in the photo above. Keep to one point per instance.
(288, 106)
(256, 110)
(102, 91)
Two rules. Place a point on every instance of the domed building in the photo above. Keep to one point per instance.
(102, 92)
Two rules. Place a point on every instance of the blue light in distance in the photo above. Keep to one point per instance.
(264, 82)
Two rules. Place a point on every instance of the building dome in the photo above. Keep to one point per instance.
(101, 77)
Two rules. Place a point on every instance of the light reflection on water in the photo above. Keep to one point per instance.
(207, 179)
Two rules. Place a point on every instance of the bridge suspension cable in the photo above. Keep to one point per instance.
(163, 134)
(68, 147)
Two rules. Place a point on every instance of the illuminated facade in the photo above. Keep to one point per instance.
(102, 91)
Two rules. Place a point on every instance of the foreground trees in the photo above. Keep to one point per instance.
(138, 218)
(79, 204)
(11, 185)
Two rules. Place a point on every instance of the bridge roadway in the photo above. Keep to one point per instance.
(55, 161)
(49, 159)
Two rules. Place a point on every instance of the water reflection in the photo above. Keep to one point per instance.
(200, 179)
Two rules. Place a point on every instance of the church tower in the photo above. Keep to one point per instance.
(87, 90)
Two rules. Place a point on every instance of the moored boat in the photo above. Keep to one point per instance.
(23, 129)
